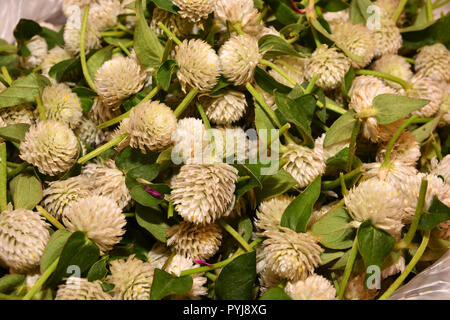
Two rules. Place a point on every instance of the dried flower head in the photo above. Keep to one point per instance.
(195, 10)
(81, 289)
(267, 278)
(158, 255)
(179, 26)
(61, 104)
(204, 193)
(433, 62)
(315, 287)
(240, 12)
(54, 56)
(445, 103)
(104, 14)
(19, 114)
(180, 263)
(333, 149)
(72, 32)
(50, 146)
(425, 88)
(394, 65)
(88, 133)
(269, 213)
(38, 50)
(227, 108)
(388, 39)
(294, 67)
(100, 218)
(239, 57)
(23, 237)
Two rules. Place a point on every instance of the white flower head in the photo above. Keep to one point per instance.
(433, 62)
(269, 213)
(72, 32)
(195, 10)
(180, 263)
(227, 108)
(388, 39)
(425, 88)
(81, 289)
(179, 26)
(240, 12)
(104, 14)
(394, 65)
(38, 51)
(315, 287)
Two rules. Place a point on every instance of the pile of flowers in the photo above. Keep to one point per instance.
(240, 149)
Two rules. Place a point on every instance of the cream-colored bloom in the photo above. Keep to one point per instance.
(60, 194)
(38, 50)
(174, 22)
(66, 4)
(329, 65)
(50, 146)
(315, 287)
(23, 237)
(433, 62)
(101, 112)
(239, 57)
(335, 148)
(406, 150)
(81, 289)
(203, 193)
(233, 144)
(337, 17)
(442, 168)
(88, 132)
(100, 218)
(19, 114)
(195, 10)
(104, 14)
(425, 88)
(195, 241)
(227, 108)
(388, 39)
(267, 279)
(54, 56)
(294, 67)
(61, 104)
(445, 103)
(377, 201)
(158, 255)
(199, 65)
(72, 32)
(240, 12)
(394, 65)
(132, 279)
(269, 213)
(180, 263)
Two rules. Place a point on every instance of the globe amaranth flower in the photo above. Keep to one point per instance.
(23, 237)
(195, 241)
(101, 112)
(333, 149)
(132, 278)
(294, 67)
(38, 50)
(357, 39)
(158, 255)
(377, 201)
(53, 57)
(269, 213)
(103, 14)
(289, 254)
(304, 164)
(72, 32)
(335, 18)
(117, 79)
(199, 65)
(315, 287)
(81, 289)
(195, 10)
(50, 146)
(60, 194)
(18, 114)
(226, 109)
(240, 12)
(406, 150)
(445, 103)
(150, 126)
(203, 193)
(233, 144)
(174, 22)
(388, 39)
(267, 279)
(433, 62)
(100, 218)
(329, 65)
(107, 180)
(239, 57)
(441, 168)
(66, 4)
(394, 65)
(88, 133)
(424, 88)
(61, 104)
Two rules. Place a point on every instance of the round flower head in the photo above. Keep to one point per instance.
(179, 26)
(203, 193)
(104, 14)
(117, 79)
(314, 287)
(107, 180)
(442, 168)
(445, 103)
(358, 39)
(433, 62)
(267, 279)
(18, 114)
(240, 12)
(304, 164)
(23, 237)
(61, 104)
(180, 263)
(195, 241)
(335, 148)
(54, 56)
(101, 112)
(158, 255)
(337, 17)
(50, 146)
(394, 65)
(269, 213)
(100, 218)
(425, 88)
(132, 278)
(38, 50)
(406, 150)
(194, 10)
(294, 67)
(379, 202)
(72, 32)
(329, 65)
(150, 126)
(289, 254)
(227, 108)
(88, 132)
(81, 289)
(233, 144)
(199, 65)
(66, 4)
(239, 57)
(387, 7)
(388, 39)
(60, 194)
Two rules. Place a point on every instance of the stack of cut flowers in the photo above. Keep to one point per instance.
(224, 149)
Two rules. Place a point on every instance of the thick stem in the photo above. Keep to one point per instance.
(102, 148)
(84, 67)
(278, 70)
(399, 10)
(311, 84)
(40, 282)
(235, 235)
(50, 218)
(3, 177)
(386, 76)
(41, 107)
(352, 148)
(429, 11)
(124, 49)
(186, 101)
(169, 33)
(348, 269)
(394, 138)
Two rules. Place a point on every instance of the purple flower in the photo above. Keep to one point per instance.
(202, 262)
(153, 192)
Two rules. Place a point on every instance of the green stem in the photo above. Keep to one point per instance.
(348, 269)
(84, 67)
(243, 178)
(278, 70)
(408, 268)
(436, 148)
(113, 34)
(3, 177)
(17, 170)
(429, 11)
(352, 148)
(124, 49)
(316, 37)
(331, 105)
(438, 4)
(169, 33)
(123, 28)
(12, 164)
(235, 235)
(8, 297)
(102, 148)
(170, 210)
(263, 13)
(8, 48)
(410, 60)
(344, 189)
(50, 218)
(40, 282)
(399, 10)
(394, 138)
(238, 29)
(41, 107)
(186, 101)
(6, 75)
(311, 84)
(386, 76)
(329, 185)
(211, 276)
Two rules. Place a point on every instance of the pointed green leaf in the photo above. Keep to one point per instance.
(54, 248)
(341, 129)
(374, 244)
(392, 107)
(275, 294)
(26, 191)
(15, 133)
(97, 60)
(274, 46)
(437, 213)
(23, 90)
(152, 220)
(165, 284)
(164, 74)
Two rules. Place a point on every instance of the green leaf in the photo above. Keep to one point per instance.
(348, 80)
(332, 5)
(274, 46)
(147, 172)
(130, 158)
(23, 90)
(165, 284)
(98, 270)
(86, 104)
(374, 244)
(276, 184)
(10, 281)
(437, 213)
(15, 133)
(334, 229)
(144, 198)
(97, 60)
(438, 32)
(164, 74)
(54, 248)
(25, 30)
(392, 107)
(65, 70)
(118, 41)
(356, 15)
(283, 11)
(235, 281)
(152, 220)
(297, 213)
(426, 130)
(341, 129)
(146, 44)
(52, 38)
(268, 83)
(166, 5)
(26, 191)
(245, 228)
(327, 257)
(275, 294)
